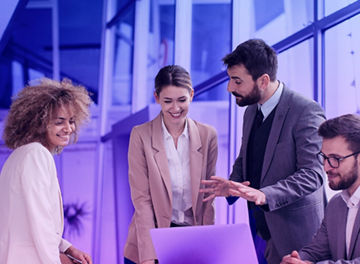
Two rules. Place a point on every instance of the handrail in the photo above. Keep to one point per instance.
(17, 13)
(120, 14)
(210, 83)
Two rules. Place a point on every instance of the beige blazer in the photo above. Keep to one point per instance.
(150, 182)
(31, 212)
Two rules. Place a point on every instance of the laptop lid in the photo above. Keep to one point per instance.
(212, 244)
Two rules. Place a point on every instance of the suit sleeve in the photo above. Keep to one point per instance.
(35, 174)
(319, 248)
(211, 170)
(308, 176)
(141, 197)
(236, 175)
(319, 252)
(340, 261)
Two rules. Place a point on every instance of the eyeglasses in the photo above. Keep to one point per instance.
(334, 162)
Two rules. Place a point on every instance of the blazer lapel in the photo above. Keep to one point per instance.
(281, 111)
(354, 236)
(160, 153)
(196, 160)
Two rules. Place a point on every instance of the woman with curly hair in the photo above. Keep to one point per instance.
(43, 119)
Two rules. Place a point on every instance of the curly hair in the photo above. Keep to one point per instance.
(34, 107)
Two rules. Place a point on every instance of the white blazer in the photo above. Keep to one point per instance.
(31, 212)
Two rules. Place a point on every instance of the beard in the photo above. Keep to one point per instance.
(346, 180)
(252, 98)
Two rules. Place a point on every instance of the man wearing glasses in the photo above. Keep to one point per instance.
(338, 239)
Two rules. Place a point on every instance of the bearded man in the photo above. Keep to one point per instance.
(338, 239)
(277, 171)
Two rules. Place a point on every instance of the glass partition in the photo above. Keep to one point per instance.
(17, 77)
(161, 39)
(79, 43)
(277, 19)
(29, 47)
(331, 6)
(296, 68)
(37, 51)
(342, 70)
(123, 33)
(210, 42)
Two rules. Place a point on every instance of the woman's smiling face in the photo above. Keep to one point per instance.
(60, 128)
(174, 102)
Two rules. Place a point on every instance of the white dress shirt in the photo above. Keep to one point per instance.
(352, 203)
(179, 168)
(267, 107)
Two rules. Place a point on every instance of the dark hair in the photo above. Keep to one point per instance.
(257, 57)
(172, 75)
(346, 126)
(34, 107)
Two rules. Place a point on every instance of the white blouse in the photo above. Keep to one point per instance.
(179, 168)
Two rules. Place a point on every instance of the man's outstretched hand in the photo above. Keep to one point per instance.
(218, 186)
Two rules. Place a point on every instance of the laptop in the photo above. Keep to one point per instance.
(212, 244)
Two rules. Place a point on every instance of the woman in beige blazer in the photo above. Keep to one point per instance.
(42, 120)
(168, 157)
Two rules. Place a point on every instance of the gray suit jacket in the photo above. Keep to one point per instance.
(292, 178)
(328, 246)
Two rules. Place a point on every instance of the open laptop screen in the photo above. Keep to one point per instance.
(213, 244)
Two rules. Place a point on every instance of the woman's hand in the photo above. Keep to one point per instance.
(65, 259)
(78, 255)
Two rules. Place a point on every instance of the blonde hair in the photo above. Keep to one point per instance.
(34, 107)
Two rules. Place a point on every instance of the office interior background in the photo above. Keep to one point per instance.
(115, 48)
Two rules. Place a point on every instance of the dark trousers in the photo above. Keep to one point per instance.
(259, 243)
(128, 261)
(265, 249)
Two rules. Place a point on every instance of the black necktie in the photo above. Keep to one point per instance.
(259, 117)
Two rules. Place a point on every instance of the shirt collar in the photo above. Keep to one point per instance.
(353, 200)
(271, 103)
(167, 134)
